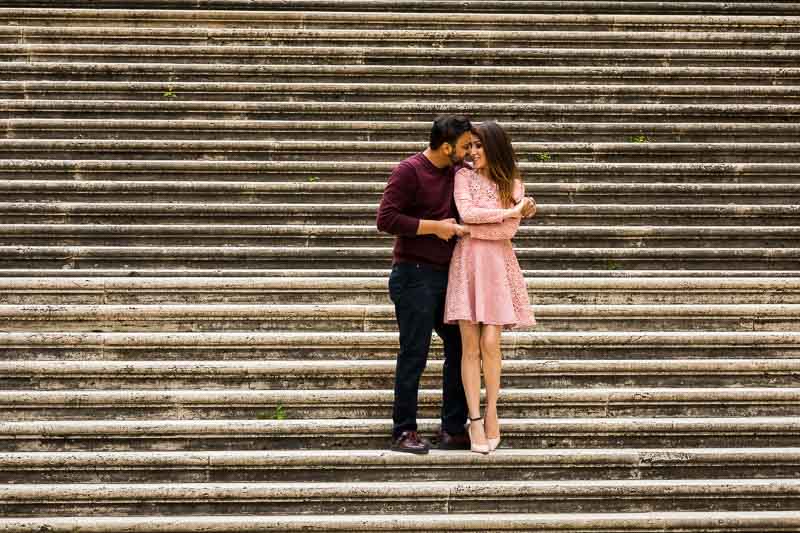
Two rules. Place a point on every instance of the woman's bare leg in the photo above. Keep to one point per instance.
(492, 358)
(471, 375)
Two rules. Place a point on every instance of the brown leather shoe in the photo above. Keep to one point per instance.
(410, 442)
(449, 441)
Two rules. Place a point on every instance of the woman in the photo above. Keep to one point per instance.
(486, 291)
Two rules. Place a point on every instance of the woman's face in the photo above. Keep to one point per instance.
(476, 153)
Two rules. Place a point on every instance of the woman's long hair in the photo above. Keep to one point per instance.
(501, 162)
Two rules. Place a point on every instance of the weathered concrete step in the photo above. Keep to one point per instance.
(304, 19)
(179, 35)
(66, 234)
(685, 522)
(359, 288)
(380, 465)
(416, 6)
(388, 111)
(247, 54)
(368, 318)
(314, 190)
(450, 497)
(262, 273)
(368, 374)
(196, 435)
(275, 130)
(381, 92)
(217, 346)
(177, 74)
(422, 111)
(341, 215)
(309, 170)
(379, 257)
(245, 150)
(193, 405)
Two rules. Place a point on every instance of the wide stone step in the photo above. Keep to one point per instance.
(248, 54)
(313, 171)
(389, 131)
(380, 465)
(255, 345)
(21, 256)
(180, 35)
(347, 112)
(357, 288)
(394, 92)
(65, 234)
(366, 374)
(451, 497)
(541, 152)
(685, 522)
(416, 6)
(193, 405)
(300, 220)
(321, 192)
(169, 274)
(177, 73)
(367, 318)
(196, 435)
(305, 19)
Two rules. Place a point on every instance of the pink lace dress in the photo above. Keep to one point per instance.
(485, 282)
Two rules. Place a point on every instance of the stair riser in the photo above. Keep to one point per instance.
(532, 172)
(573, 135)
(430, 380)
(321, 323)
(387, 352)
(31, 195)
(501, 7)
(376, 410)
(361, 473)
(360, 22)
(694, 241)
(364, 505)
(601, 263)
(777, 78)
(748, 41)
(366, 217)
(381, 297)
(177, 109)
(786, 96)
(381, 442)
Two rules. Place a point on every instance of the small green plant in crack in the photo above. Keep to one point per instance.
(313, 179)
(170, 92)
(639, 139)
(544, 157)
(279, 414)
(612, 265)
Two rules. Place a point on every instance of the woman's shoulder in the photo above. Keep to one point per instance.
(465, 171)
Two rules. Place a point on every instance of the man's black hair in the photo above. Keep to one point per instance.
(447, 129)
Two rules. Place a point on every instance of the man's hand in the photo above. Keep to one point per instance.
(529, 208)
(447, 228)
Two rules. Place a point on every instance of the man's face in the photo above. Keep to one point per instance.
(461, 149)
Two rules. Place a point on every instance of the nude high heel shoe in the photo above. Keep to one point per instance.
(477, 448)
(493, 443)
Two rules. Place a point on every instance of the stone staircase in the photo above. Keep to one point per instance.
(195, 331)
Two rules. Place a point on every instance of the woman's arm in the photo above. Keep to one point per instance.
(503, 230)
(469, 211)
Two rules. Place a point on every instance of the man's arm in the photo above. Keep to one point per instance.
(398, 196)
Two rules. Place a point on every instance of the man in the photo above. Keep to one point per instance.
(418, 208)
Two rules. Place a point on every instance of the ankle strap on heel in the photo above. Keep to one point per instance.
(476, 419)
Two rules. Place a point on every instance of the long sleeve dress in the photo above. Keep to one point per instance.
(485, 283)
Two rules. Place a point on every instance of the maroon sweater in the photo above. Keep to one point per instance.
(418, 189)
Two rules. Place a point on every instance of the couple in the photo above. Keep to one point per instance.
(460, 279)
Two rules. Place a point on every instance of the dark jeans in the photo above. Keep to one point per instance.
(418, 292)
